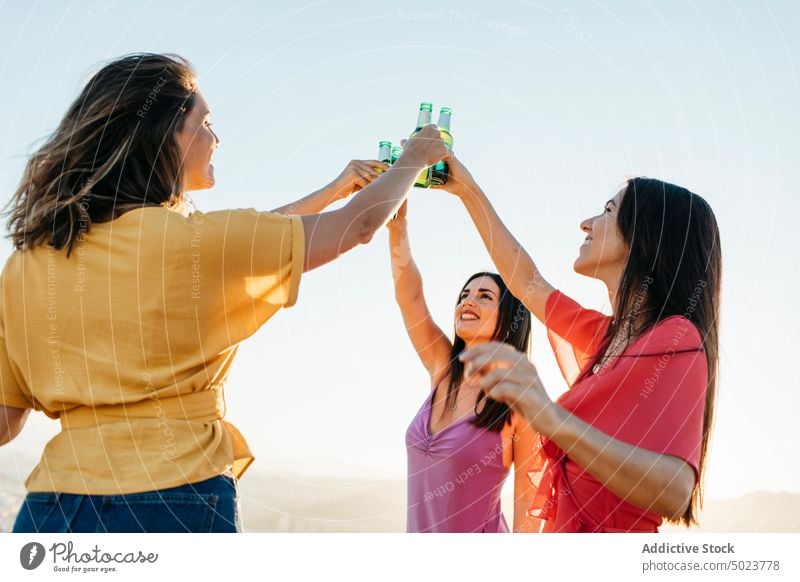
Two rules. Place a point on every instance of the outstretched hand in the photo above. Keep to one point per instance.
(426, 146)
(459, 179)
(508, 376)
(356, 175)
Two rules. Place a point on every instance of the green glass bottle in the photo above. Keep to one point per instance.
(441, 171)
(397, 151)
(384, 153)
(423, 119)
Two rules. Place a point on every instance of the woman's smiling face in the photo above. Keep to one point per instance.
(604, 251)
(477, 310)
(197, 142)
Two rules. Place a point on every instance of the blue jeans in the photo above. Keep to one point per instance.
(207, 506)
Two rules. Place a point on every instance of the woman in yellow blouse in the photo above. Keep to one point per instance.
(120, 313)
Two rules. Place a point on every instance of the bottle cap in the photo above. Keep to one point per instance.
(446, 110)
(426, 106)
(385, 144)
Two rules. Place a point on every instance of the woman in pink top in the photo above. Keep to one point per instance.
(460, 444)
(626, 447)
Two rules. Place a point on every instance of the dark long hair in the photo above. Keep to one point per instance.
(514, 328)
(114, 150)
(675, 255)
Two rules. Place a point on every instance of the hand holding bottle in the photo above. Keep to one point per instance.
(424, 149)
(356, 175)
(460, 181)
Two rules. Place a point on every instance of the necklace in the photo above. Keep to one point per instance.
(619, 341)
(453, 406)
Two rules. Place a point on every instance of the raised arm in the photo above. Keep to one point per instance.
(432, 345)
(513, 262)
(11, 422)
(330, 235)
(358, 174)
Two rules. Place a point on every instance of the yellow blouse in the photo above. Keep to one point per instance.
(130, 339)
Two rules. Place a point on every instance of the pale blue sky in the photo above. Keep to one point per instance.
(554, 105)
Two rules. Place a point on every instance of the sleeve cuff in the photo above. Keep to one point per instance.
(15, 401)
(298, 259)
(549, 306)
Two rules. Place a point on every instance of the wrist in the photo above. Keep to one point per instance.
(467, 191)
(333, 192)
(548, 418)
(397, 225)
(410, 159)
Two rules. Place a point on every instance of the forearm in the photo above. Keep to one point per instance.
(512, 261)
(331, 234)
(406, 275)
(314, 203)
(649, 480)
(372, 207)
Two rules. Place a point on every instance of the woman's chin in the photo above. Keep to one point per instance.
(209, 180)
(579, 266)
(472, 336)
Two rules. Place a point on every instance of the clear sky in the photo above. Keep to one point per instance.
(555, 104)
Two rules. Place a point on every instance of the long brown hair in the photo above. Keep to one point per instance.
(114, 150)
(514, 328)
(675, 250)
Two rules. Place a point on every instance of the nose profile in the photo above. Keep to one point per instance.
(586, 225)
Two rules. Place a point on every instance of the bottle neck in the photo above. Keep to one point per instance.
(444, 121)
(424, 118)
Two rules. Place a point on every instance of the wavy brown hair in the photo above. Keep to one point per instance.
(114, 150)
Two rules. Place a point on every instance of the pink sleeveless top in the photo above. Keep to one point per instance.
(454, 476)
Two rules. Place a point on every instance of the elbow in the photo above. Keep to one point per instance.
(366, 237)
(366, 231)
(677, 501)
(675, 512)
(11, 422)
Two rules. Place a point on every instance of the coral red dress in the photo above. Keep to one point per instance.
(652, 396)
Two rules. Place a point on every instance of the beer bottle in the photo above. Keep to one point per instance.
(423, 119)
(384, 153)
(397, 151)
(440, 171)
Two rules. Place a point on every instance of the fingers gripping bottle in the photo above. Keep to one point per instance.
(423, 119)
(440, 172)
